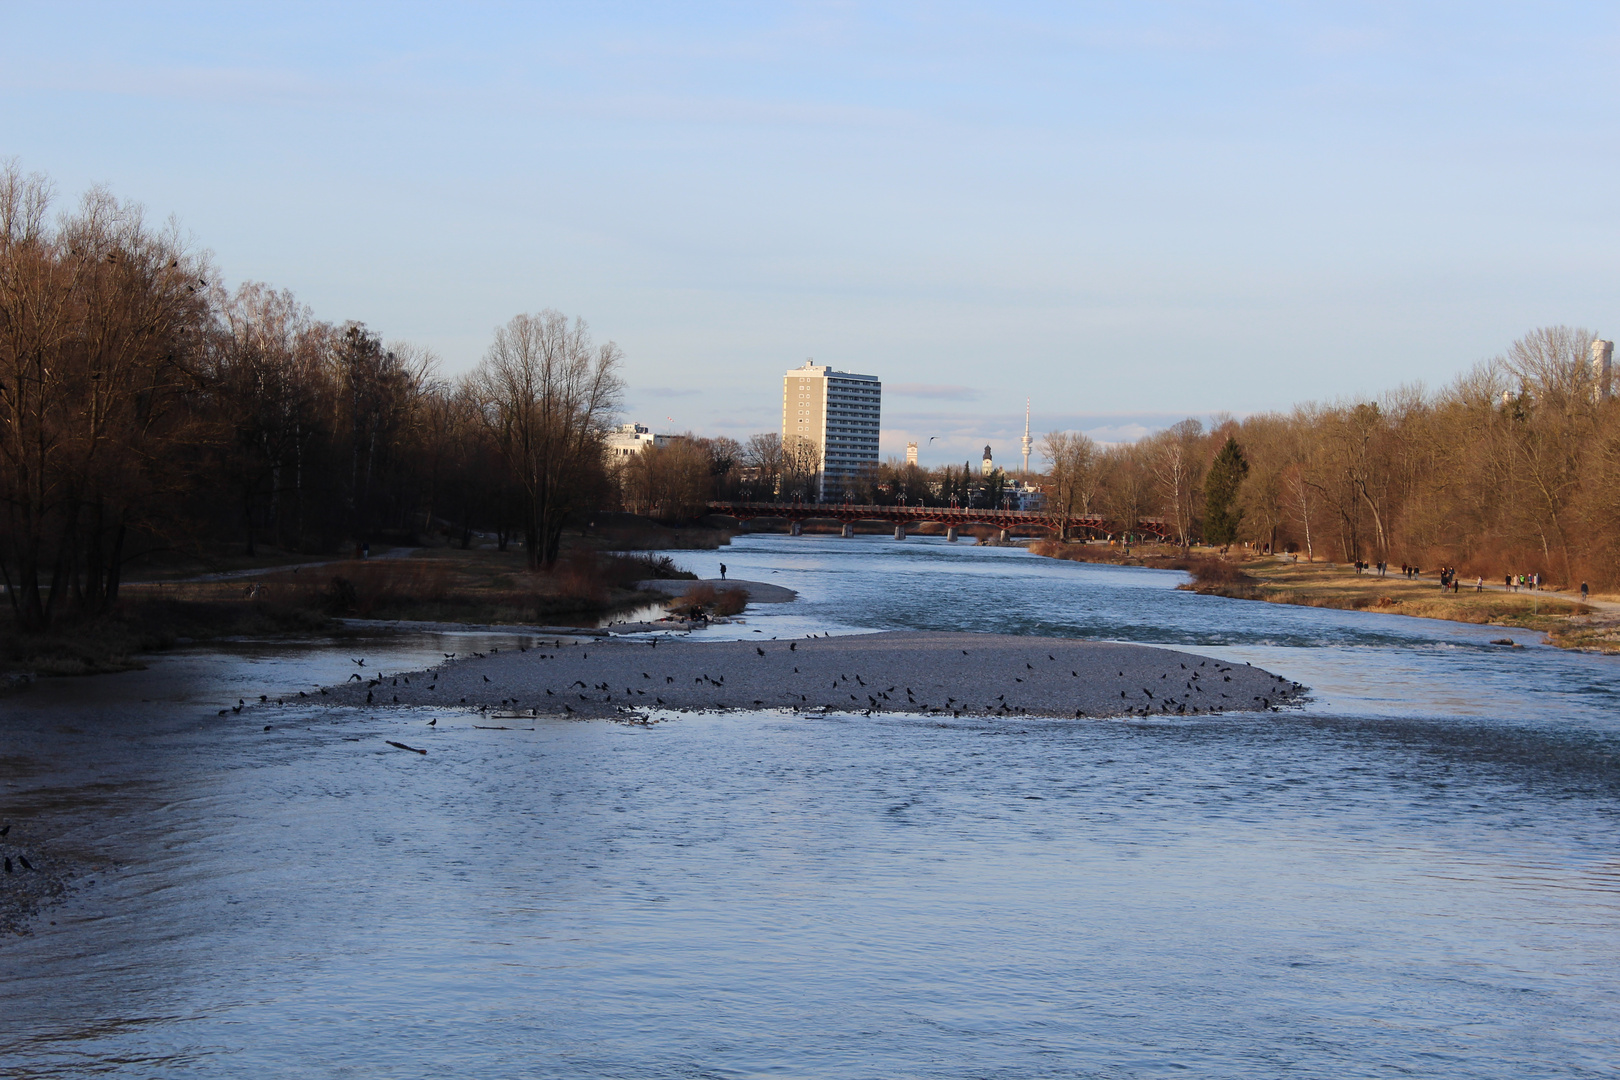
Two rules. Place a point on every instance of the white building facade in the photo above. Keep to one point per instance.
(830, 424)
(628, 439)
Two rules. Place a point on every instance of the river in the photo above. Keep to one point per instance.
(1417, 873)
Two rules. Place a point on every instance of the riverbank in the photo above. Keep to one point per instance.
(421, 586)
(1564, 620)
(944, 674)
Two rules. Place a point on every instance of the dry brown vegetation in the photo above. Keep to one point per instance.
(449, 585)
(704, 601)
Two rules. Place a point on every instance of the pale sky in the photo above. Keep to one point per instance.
(1129, 212)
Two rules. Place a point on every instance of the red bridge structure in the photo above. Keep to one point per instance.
(952, 517)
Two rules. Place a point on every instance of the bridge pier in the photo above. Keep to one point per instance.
(849, 530)
(899, 532)
(950, 534)
(796, 529)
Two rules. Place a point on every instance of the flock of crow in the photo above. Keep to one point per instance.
(858, 674)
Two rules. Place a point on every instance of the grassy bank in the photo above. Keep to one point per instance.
(1566, 623)
(147, 624)
(432, 585)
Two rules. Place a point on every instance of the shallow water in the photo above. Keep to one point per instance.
(1415, 874)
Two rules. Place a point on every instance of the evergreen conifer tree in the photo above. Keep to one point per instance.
(1221, 512)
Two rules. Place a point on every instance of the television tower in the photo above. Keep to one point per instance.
(1027, 443)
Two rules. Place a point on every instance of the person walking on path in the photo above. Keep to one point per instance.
(1479, 583)
(722, 571)
(1583, 592)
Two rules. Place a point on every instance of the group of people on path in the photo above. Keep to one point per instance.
(1448, 579)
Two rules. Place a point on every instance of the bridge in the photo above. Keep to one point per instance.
(952, 517)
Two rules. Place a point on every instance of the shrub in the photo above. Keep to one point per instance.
(340, 597)
(694, 603)
(730, 602)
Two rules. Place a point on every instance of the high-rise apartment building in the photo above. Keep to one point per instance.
(830, 422)
(1603, 370)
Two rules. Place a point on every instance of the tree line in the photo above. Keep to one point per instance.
(145, 408)
(1514, 467)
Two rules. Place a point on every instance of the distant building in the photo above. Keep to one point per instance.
(911, 453)
(830, 423)
(1602, 369)
(988, 465)
(1022, 495)
(628, 439)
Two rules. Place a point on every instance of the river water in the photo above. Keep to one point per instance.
(1417, 874)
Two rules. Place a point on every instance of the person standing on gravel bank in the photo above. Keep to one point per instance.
(722, 571)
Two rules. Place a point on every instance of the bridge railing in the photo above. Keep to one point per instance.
(944, 515)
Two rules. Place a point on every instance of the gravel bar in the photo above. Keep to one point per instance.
(896, 672)
(759, 592)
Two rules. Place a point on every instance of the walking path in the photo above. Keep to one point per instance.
(255, 571)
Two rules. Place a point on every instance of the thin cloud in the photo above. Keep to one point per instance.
(937, 391)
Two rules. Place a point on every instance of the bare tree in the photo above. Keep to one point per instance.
(548, 396)
(762, 456)
(1073, 464)
(99, 325)
(1178, 467)
(801, 469)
